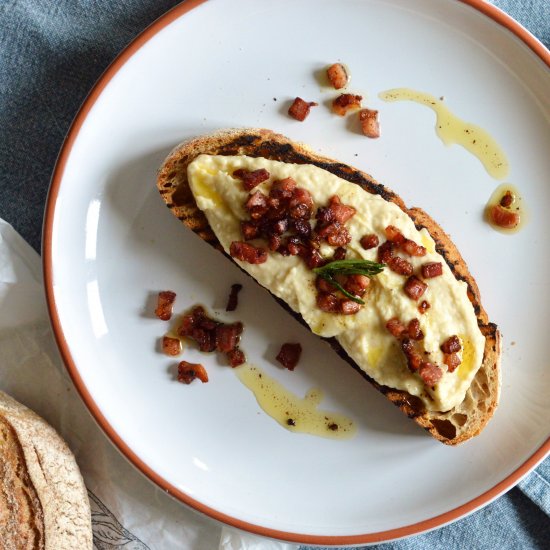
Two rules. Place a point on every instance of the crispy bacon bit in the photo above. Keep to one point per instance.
(406, 245)
(369, 241)
(278, 227)
(301, 227)
(256, 205)
(171, 346)
(327, 302)
(283, 189)
(340, 212)
(227, 336)
(451, 345)
(165, 302)
(385, 252)
(323, 285)
(190, 321)
(357, 284)
(507, 199)
(423, 307)
(339, 237)
(339, 254)
(247, 253)
(301, 204)
(452, 360)
(212, 335)
(300, 109)
(233, 299)
(414, 331)
(249, 230)
(335, 234)
(412, 249)
(369, 123)
(394, 235)
(284, 220)
(430, 373)
(507, 219)
(274, 242)
(400, 266)
(409, 336)
(338, 76)
(346, 102)
(251, 179)
(414, 359)
(236, 357)
(335, 212)
(414, 287)
(324, 215)
(396, 327)
(294, 246)
(205, 338)
(348, 307)
(187, 372)
(314, 259)
(289, 355)
(431, 270)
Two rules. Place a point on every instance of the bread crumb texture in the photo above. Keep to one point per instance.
(43, 500)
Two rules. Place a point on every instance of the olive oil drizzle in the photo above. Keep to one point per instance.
(451, 129)
(292, 412)
(518, 206)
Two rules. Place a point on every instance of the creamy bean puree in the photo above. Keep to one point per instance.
(363, 336)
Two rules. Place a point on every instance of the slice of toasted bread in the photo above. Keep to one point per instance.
(455, 426)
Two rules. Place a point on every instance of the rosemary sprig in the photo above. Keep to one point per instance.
(348, 267)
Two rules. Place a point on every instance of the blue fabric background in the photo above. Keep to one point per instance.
(51, 54)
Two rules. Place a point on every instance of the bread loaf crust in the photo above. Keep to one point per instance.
(455, 426)
(46, 503)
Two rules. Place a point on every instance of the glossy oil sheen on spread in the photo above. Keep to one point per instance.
(452, 129)
(363, 335)
(292, 412)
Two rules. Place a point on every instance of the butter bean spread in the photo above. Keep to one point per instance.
(419, 287)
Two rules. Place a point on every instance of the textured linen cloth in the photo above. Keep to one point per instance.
(51, 54)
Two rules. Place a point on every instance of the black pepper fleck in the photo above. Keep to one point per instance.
(291, 422)
(332, 426)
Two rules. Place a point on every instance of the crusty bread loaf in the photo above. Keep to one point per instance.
(455, 426)
(43, 500)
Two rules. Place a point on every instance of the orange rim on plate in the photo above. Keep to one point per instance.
(487, 9)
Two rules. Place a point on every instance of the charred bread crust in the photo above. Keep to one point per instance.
(452, 427)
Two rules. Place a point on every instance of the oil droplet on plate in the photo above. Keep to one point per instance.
(506, 206)
(451, 129)
(294, 413)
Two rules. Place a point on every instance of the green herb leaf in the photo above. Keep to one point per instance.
(348, 267)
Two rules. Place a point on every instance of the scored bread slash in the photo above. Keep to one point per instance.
(452, 402)
(43, 500)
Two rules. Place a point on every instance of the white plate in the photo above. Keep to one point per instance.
(110, 244)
